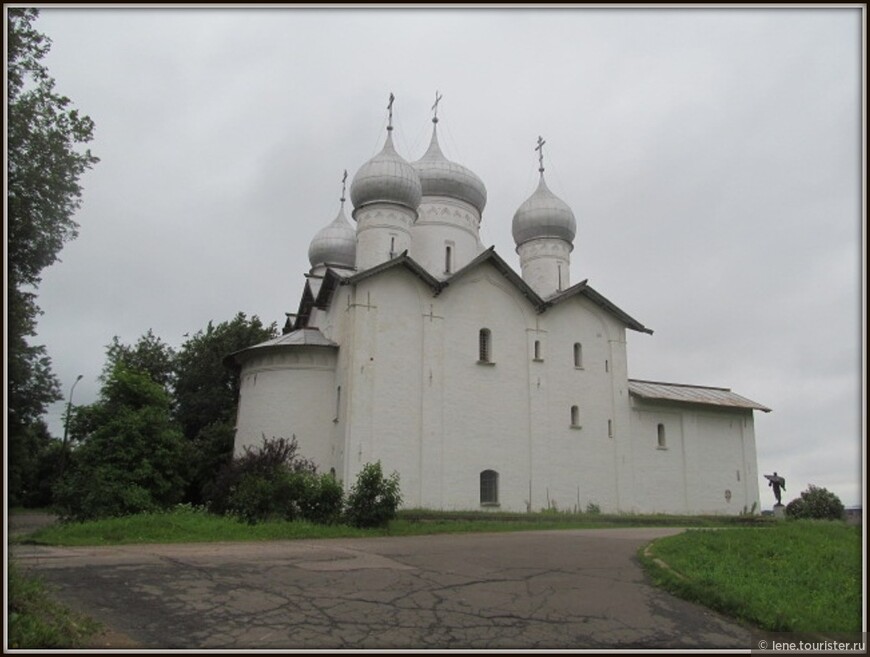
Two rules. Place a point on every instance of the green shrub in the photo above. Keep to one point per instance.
(270, 462)
(817, 503)
(593, 509)
(373, 499)
(322, 499)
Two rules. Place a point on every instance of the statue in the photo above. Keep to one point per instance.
(777, 483)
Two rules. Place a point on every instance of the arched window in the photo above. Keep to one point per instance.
(332, 472)
(661, 436)
(578, 355)
(489, 487)
(537, 350)
(448, 259)
(485, 346)
(575, 416)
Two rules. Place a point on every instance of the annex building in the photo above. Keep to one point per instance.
(417, 346)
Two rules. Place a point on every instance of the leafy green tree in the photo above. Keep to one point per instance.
(44, 165)
(207, 392)
(133, 458)
(150, 355)
(818, 503)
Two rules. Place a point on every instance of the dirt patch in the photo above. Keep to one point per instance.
(25, 522)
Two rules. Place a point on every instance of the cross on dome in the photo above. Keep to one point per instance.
(390, 108)
(540, 149)
(343, 185)
(438, 98)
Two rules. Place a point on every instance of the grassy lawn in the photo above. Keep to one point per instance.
(795, 576)
(36, 621)
(186, 525)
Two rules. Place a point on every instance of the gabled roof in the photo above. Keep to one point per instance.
(503, 268)
(306, 337)
(583, 289)
(332, 279)
(688, 394)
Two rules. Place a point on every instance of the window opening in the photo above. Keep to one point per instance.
(489, 487)
(661, 436)
(448, 253)
(537, 350)
(485, 346)
(575, 416)
(578, 355)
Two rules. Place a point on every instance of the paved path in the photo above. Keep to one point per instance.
(530, 590)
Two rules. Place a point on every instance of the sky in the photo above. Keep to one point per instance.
(712, 157)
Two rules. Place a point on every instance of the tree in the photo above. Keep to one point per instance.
(132, 457)
(43, 193)
(150, 356)
(207, 392)
(818, 503)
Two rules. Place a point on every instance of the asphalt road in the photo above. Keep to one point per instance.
(571, 589)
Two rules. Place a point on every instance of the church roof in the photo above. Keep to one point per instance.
(680, 392)
(333, 278)
(304, 337)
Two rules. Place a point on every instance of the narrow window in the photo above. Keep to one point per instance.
(606, 365)
(489, 487)
(575, 416)
(448, 255)
(738, 475)
(610, 428)
(578, 355)
(661, 436)
(337, 403)
(392, 246)
(559, 267)
(485, 346)
(537, 350)
(332, 472)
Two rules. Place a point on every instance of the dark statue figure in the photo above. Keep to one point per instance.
(777, 483)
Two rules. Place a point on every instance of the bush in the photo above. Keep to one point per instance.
(322, 499)
(269, 462)
(818, 503)
(373, 499)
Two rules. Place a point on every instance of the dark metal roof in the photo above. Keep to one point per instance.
(689, 394)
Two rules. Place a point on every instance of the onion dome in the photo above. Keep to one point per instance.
(334, 244)
(386, 178)
(441, 177)
(543, 214)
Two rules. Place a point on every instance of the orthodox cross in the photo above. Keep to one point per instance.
(390, 107)
(438, 98)
(343, 185)
(540, 149)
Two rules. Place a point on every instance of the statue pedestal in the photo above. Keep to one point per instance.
(778, 511)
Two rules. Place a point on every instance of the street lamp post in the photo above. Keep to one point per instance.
(66, 423)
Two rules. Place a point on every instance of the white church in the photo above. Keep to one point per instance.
(417, 346)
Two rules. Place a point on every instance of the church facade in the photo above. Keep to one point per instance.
(417, 346)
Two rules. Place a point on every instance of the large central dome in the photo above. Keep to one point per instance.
(441, 177)
(386, 178)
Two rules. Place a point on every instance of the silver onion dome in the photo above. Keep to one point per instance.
(386, 178)
(334, 244)
(543, 214)
(441, 177)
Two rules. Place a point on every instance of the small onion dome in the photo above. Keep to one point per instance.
(386, 178)
(334, 244)
(543, 214)
(441, 177)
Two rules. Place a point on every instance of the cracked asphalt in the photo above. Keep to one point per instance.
(574, 589)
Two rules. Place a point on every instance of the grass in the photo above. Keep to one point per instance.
(188, 525)
(795, 576)
(36, 621)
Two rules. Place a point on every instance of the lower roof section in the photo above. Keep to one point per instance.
(688, 394)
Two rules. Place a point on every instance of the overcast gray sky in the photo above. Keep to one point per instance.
(712, 158)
